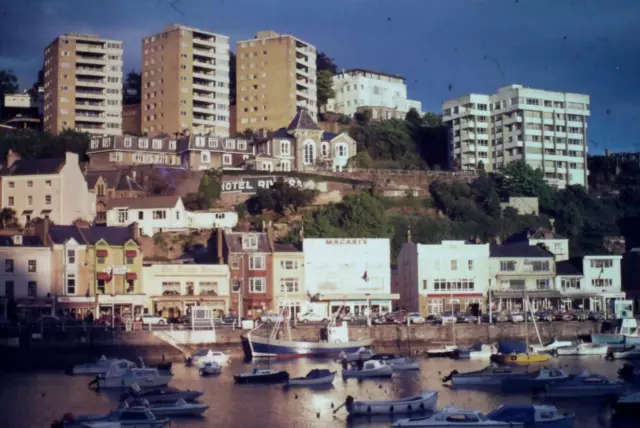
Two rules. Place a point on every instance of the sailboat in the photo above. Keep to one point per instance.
(527, 357)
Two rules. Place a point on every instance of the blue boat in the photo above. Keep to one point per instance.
(532, 416)
(534, 382)
(507, 347)
(624, 333)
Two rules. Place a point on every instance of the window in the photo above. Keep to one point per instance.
(543, 284)
(257, 285)
(8, 289)
(11, 184)
(508, 266)
(47, 199)
(143, 143)
(250, 242)
(289, 264)
(288, 285)
(285, 148)
(517, 284)
(454, 265)
(539, 266)
(31, 266)
(47, 183)
(601, 264)
(570, 283)
(453, 285)
(32, 289)
(308, 153)
(227, 159)
(325, 150)
(71, 284)
(470, 264)
(8, 265)
(341, 150)
(29, 183)
(123, 216)
(11, 201)
(205, 157)
(256, 262)
(29, 200)
(159, 214)
(435, 306)
(71, 257)
(602, 282)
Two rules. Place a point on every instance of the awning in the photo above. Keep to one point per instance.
(45, 212)
(75, 305)
(454, 295)
(102, 275)
(360, 296)
(546, 294)
(131, 276)
(34, 303)
(27, 212)
(130, 253)
(102, 253)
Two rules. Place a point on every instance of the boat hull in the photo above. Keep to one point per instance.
(559, 391)
(81, 420)
(117, 382)
(423, 403)
(261, 347)
(584, 350)
(632, 340)
(262, 379)
(303, 381)
(520, 358)
(89, 369)
(363, 374)
(607, 339)
(190, 410)
(405, 366)
(169, 397)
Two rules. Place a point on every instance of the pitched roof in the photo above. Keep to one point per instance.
(571, 267)
(518, 250)
(287, 248)
(89, 235)
(147, 202)
(328, 136)
(538, 233)
(127, 183)
(34, 167)
(234, 241)
(27, 241)
(303, 120)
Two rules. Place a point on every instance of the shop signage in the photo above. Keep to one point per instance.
(76, 299)
(252, 184)
(117, 269)
(106, 299)
(346, 241)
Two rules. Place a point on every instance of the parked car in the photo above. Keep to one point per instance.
(466, 318)
(543, 315)
(379, 319)
(448, 318)
(359, 318)
(312, 316)
(269, 318)
(515, 317)
(415, 318)
(597, 316)
(152, 319)
(580, 316)
(48, 321)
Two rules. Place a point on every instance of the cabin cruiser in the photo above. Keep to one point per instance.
(101, 366)
(262, 376)
(177, 408)
(423, 402)
(129, 418)
(210, 368)
(584, 349)
(447, 351)
(452, 417)
(476, 351)
(313, 378)
(143, 376)
(535, 381)
(164, 394)
(585, 385)
(550, 347)
(361, 354)
(532, 415)
(208, 356)
(367, 369)
(489, 376)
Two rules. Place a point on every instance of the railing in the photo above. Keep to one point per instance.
(402, 171)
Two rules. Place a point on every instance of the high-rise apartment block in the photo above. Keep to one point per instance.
(83, 85)
(276, 74)
(185, 82)
(546, 129)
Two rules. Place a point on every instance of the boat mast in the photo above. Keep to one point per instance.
(455, 320)
(526, 316)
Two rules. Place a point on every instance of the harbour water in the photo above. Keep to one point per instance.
(34, 400)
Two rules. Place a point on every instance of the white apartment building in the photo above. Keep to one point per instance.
(384, 94)
(185, 82)
(546, 129)
(83, 85)
(445, 277)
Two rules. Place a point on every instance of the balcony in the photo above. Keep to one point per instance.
(203, 120)
(202, 97)
(204, 110)
(170, 290)
(90, 71)
(91, 83)
(204, 41)
(85, 105)
(207, 88)
(90, 94)
(302, 71)
(209, 65)
(84, 47)
(204, 76)
(90, 129)
(468, 135)
(208, 53)
(97, 60)
(88, 117)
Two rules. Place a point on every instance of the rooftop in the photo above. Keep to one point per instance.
(27, 241)
(303, 120)
(33, 167)
(571, 267)
(539, 233)
(147, 202)
(516, 250)
(364, 70)
(234, 241)
(113, 235)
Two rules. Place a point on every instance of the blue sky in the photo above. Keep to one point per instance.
(585, 46)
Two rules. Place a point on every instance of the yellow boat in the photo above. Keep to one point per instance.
(521, 358)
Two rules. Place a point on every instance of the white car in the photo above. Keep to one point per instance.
(516, 317)
(268, 318)
(209, 356)
(152, 319)
(312, 316)
(415, 318)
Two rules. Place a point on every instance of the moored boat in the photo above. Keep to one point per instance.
(489, 376)
(424, 402)
(585, 385)
(453, 417)
(314, 378)
(177, 408)
(583, 349)
(476, 351)
(535, 381)
(160, 395)
(627, 327)
(208, 356)
(362, 354)
(630, 353)
(142, 376)
(262, 376)
(404, 364)
(532, 416)
(628, 405)
(447, 351)
(550, 346)
(210, 368)
(629, 373)
(369, 369)
(128, 418)
(524, 358)
(101, 366)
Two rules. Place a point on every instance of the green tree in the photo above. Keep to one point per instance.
(324, 87)
(520, 179)
(7, 218)
(34, 145)
(324, 62)
(132, 88)
(281, 198)
(209, 190)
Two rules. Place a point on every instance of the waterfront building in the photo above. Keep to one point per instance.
(110, 184)
(26, 278)
(185, 82)
(288, 269)
(302, 146)
(95, 268)
(193, 152)
(446, 277)
(156, 214)
(590, 283)
(83, 85)
(249, 256)
(385, 95)
(552, 241)
(350, 272)
(174, 288)
(276, 74)
(546, 129)
(521, 269)
(46, 188)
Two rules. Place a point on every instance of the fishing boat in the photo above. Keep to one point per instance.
(362, 354)
(424, 402)
(177, 408)
(210, 368)
(585, 385)
(138, 417)
(550, 347)
(535, 381)
(314, 378)
(165, 394)
(627, 327)
(262, 376)
(452, 417)
(489, 376)
(101, 366)
(476, 351)
(630, 353)
(369, 369)
(208, 356)
(447, 351)
(584, 349)
(525, 358)
(142, 376)
(532, 416)
(628, 405)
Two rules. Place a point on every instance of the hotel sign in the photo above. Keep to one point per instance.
(346, 241)
(251, 184)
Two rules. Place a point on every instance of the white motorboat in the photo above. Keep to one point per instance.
(262, 376)
(424, 402)
(177, 408)
(532, 415)
(446, 351)
(369, 369)
(138, 417)
(632, 353)
(584, 349)
(361, 354)
(535, 382)
(586, 385)
(209, 356)
(163, 394)
(403, 364)
(313, 378)
(489, 376)
(101, 366)
(551, 346)
(145, 377)
(452, 417)
(210, 368)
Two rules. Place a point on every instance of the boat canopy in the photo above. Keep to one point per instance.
(509, 347)
(523, 413)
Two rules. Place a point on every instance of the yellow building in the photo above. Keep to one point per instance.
(288, 278)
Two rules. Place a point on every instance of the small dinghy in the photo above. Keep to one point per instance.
(425, 402)
(477, 351)
(368, 369)
(210, 368)
(583, 349)
(631, 353)
(550, 347)
(535, 381)
(445, 352)
(452, 417)
(166, 394)
(313, 378)
(129, 418)
(586, 385)
(489, 376)
(208, 356)
(532, 416)
(262, 376)
(361, 354)
(628, 405)
(101, 366)
(176, 408)
(404, 364)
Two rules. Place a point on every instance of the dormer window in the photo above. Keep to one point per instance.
(200, 142)
(143, 143)
(172, 144)
(127, 142)
(230, 144)
(242, 145)
(250, 242)
(105, 142)
(213, 143)
(156, 144)
(95, 143)
(325, 150)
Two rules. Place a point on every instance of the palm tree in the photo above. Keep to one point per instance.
(7, 218)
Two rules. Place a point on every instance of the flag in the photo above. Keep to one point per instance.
(110, 276)
(365, 276)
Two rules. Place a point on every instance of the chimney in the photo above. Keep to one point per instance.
(264, 225)
(41, 229)
(12, 157)
(219, 246)
(498, 240)
(553, 225)
(271, 237)
(134, 229)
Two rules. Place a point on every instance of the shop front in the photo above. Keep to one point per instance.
(120, 308)
(439, 303)
(30, 309)
(539, 300)
(175, 306)
(358, 304)
(77, 307)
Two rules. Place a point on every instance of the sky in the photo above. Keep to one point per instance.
(444, 48)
